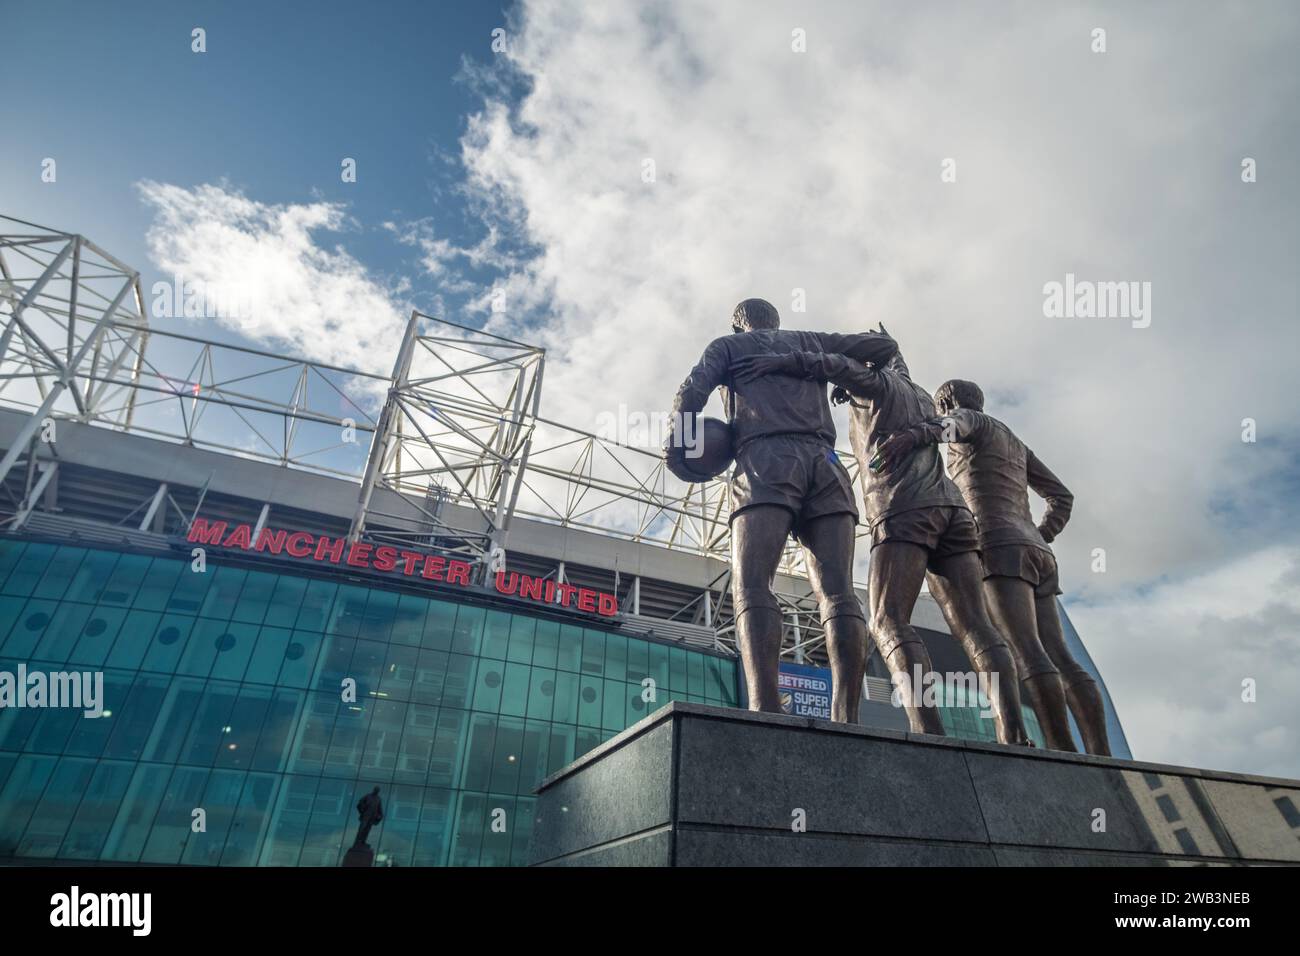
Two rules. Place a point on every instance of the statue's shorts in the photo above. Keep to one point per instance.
(1024, 561)
(796, 472)
(943, 530)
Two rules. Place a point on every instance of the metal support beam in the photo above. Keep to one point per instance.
(159, 496)
(47, 469)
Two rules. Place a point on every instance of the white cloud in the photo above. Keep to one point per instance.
(1175, 659)
(777, 170)
(314, 301)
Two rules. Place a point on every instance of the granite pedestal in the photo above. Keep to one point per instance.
(695, 785)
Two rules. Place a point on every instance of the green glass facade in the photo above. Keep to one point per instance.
(223, 692)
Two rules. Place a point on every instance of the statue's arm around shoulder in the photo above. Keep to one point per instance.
(962, 426)
(874, 347)
(851, 375)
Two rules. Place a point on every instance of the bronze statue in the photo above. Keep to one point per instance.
(370, 810)
(994, 470)
(921, 529)
(787, 480)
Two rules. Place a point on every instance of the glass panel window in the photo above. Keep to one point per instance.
(590, 707)
(237, 745)
(430, 673)
(541, 693)
(434, 836)
(219, 601)
(546, 643)
(593, 652)
(88, 582)
(252, 819)
(171, 827)
(660, 669)
(61, 636)
(678, 680)
(30, 626)
(408, 622)
(301, 657)
(58, 574)
(695, 675)
(343, 759)
(514, 692)
(448, 748)
(506, 755)
(496, 635)
(54, 812)
(98, 636)
(133, 639)
(168, 644)
(286, 600)
(21, 794)
(398, 674)
(415, 749)
(521, 639)
(156, 586)
(615, 657)
(220, 800)
(487, 691)
(287, 825)
(439, 626)
(100, 804)
(349, 611)
(467, 635)
(317, 605)
(11, 554)
(124, 584)
(381, 610)
(27, 573)
(459, 680)
(566, 698)
(268, 655)
(135, 817)
(279, 729)
(614, 710)
(191, 590)
(379, 756)
(254, 597)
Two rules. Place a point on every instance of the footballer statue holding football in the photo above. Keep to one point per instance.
(787, 481)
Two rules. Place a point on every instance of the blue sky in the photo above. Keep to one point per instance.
(284, 92)
(801, 174)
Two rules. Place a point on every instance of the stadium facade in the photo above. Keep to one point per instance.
(444, 595)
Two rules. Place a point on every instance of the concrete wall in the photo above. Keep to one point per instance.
(705, 786)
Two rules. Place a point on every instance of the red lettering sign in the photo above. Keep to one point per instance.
(432, 567)
(546, 591)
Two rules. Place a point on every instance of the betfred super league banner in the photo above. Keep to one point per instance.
(805, 691)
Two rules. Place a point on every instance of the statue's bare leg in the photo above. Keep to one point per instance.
(758, 536)
(1081, 690)
(894, 581)
(957, 584)
(828, 548)
(1011, 605)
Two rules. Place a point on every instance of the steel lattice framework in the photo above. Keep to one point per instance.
(456, 423)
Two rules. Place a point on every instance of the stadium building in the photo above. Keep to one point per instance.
(297, 582)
